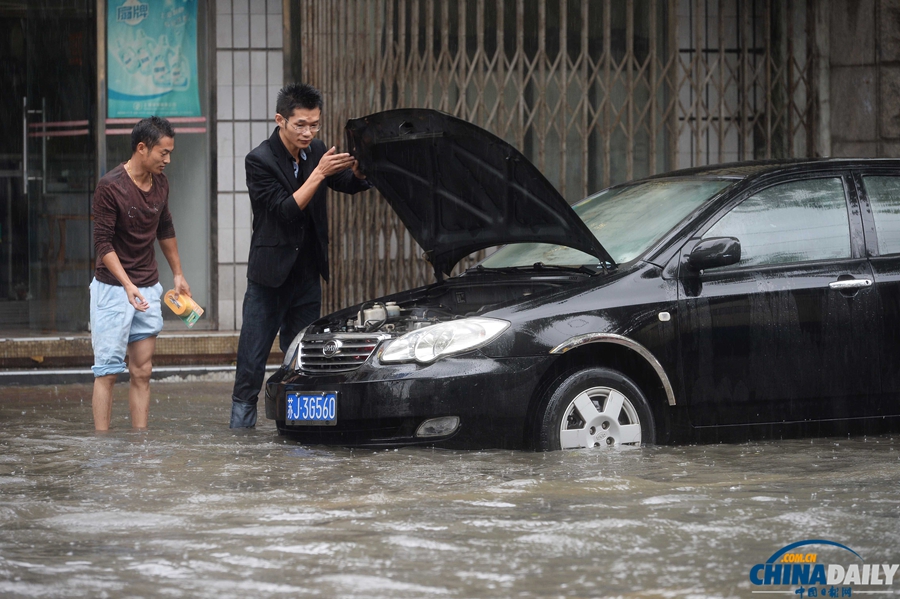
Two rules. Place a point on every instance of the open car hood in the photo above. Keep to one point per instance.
(460, 189)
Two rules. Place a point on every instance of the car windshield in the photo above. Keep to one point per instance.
(626, 220)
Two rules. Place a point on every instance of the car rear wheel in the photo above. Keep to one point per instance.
(595, 407)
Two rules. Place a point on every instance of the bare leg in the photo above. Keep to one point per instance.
(140, 355)
(101, 401)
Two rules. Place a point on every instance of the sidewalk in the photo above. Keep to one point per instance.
(67, 358)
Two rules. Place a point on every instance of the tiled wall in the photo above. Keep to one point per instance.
(249, 71)
(865, 78)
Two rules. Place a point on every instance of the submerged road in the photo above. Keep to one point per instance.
(191, 509)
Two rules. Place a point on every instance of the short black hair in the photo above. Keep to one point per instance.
(297, 95)
(150, 130)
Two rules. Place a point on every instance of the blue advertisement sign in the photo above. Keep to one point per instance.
(152, 58)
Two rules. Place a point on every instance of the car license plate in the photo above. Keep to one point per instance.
(311, 408)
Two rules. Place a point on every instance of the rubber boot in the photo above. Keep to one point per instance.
(243, 415)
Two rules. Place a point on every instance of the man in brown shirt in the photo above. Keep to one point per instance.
(131, 210)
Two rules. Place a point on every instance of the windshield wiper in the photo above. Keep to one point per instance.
(583, 269)
(485, 269)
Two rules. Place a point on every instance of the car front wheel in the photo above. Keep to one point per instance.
(595, 407)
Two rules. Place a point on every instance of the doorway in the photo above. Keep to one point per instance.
(47, 163)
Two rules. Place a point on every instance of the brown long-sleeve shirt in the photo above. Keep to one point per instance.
(127, 220)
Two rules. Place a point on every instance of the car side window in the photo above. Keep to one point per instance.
(884, 197)
(791, 222)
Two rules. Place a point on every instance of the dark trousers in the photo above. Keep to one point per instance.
(268, 311)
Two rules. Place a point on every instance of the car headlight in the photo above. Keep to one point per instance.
(291, 355)
(430, 343)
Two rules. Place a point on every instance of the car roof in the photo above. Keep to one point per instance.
(744, 170)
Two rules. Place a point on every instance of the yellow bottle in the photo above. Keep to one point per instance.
(184, 307)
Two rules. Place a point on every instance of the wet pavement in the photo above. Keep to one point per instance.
(189, 508)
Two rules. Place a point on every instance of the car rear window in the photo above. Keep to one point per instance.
(884, 197)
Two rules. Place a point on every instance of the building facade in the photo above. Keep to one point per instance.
(593, 92)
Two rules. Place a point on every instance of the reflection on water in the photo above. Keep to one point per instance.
(192, 509)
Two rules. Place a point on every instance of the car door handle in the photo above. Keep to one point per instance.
(850, 284)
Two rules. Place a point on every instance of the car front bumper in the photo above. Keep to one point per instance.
(385, 405)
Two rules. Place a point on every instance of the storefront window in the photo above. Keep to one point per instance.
(173, 85)
(48, 166)
(50, 159)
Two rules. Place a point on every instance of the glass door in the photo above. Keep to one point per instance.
(48, 168)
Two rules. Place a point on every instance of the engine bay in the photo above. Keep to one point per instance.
(431, 305)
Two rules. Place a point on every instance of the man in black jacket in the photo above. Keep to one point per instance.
(289, 243)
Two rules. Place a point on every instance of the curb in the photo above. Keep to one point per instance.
(73, 376)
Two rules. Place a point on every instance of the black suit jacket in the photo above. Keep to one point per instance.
(278, 224)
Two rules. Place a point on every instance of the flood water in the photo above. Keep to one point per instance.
(192, 509)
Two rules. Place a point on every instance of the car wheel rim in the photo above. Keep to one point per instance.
(599, 417)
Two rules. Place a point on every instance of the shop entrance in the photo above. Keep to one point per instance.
(47, 163)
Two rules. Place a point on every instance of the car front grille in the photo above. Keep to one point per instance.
(338, 352)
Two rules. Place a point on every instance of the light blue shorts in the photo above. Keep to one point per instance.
(115, 323)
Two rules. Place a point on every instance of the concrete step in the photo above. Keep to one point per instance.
(68, 376)
(69, 357)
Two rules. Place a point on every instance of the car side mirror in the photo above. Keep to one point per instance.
(714, 252)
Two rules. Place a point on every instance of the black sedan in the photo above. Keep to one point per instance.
(727, 302)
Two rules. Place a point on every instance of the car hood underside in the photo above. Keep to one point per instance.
(459, 189)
